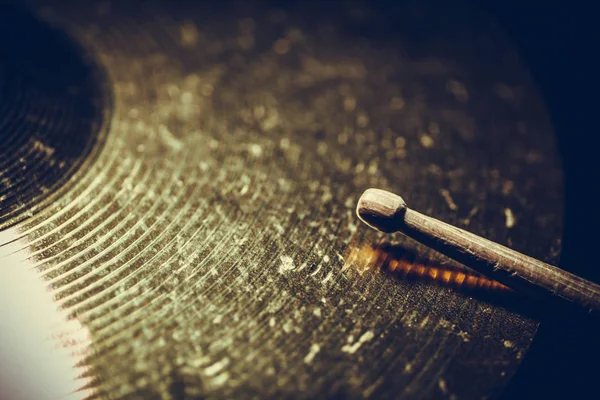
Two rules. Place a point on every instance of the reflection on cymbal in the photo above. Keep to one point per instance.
(405, 264)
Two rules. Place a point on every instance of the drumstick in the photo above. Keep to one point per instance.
(387, 212)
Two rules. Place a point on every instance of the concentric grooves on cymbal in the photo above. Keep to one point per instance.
(54, 113)
(212, 247)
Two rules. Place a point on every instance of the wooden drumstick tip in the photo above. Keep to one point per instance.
(387, 212)
(381, 210)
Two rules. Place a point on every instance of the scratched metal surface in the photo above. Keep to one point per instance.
(51, 119)
(210, 244)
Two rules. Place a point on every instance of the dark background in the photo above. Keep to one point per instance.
(558, 43)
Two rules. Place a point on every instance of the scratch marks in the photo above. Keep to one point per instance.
(470, 216)
(314, 350)
(169, 139)
(352, 348)
(510, 218)
(446, 195)
(287, 264)
(216, 367)
(40, 146)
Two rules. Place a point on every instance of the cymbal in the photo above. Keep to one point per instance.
(183, 178)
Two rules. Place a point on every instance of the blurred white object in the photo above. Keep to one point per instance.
(39, 345)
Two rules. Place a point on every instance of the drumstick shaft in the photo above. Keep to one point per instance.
(516, 270)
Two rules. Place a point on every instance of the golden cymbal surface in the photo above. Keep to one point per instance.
(202, 227)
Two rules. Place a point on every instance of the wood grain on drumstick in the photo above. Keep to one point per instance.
(387, 212)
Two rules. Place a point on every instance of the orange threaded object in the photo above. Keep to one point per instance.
(470, 282)
(460, 278)
(405, 265)
(446, 276)
(483, 283)
(433, 273)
